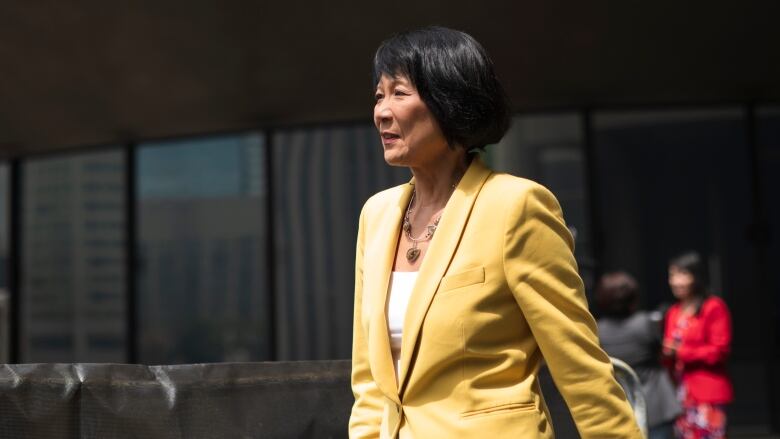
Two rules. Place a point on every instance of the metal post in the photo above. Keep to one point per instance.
(130, 203)
(15, 257)
(594, 206)
(759, 237)
(273, 348)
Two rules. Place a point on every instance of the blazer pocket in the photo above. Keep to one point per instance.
(498, 409)
(462, 279)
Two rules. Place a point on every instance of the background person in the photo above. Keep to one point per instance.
(697, 342)
(634, 337)
(465, 278)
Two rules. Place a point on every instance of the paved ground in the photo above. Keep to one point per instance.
(751, 433)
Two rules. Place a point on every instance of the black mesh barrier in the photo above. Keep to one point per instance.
(308, 399)
(226, 400)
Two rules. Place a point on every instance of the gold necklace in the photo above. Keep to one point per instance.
(413, 252)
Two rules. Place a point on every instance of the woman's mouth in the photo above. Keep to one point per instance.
(389, 138)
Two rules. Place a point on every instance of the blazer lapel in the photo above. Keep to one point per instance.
(377, 265)
(437, 259)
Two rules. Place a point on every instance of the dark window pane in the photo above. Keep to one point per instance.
(73, 235)
(322, 177)
(202, 281)
(663, 190)
(768, 137)
(670, 181)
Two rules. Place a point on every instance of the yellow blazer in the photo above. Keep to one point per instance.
(497, 292)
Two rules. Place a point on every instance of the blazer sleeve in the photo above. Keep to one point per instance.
(716, 346)
(366, 415)
(541, 271)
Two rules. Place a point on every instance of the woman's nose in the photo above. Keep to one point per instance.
(382, 114)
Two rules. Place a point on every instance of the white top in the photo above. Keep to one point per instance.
(401, 284)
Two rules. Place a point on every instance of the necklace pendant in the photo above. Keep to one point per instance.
(412, 254)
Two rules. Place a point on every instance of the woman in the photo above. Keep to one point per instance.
(697, 341)
(635, 337)
(465, 278)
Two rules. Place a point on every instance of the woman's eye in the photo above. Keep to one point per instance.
(401, 93)
(378, 96)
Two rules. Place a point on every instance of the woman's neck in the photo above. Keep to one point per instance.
(433, 183)
(690, 304)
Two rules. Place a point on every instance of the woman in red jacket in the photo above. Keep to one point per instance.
(697, 341)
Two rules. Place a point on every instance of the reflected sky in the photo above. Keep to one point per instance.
(199, 168)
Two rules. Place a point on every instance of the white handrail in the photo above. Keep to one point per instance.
(629, 380)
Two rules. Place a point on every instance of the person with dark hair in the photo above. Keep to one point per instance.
(697, 342)
(465, 278)
(635, 337)
(617, 294)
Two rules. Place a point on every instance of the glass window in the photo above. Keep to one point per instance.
(322, 177)
(670, 181)
(549, 149)
(202, 278)
(73, 223)
(662, 191)
(768, 139)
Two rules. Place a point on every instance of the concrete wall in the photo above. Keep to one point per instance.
(90, 73)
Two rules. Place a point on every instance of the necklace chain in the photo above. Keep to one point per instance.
(431, 228)
(413, 253)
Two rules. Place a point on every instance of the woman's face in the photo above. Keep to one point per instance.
(681, 282)
(410, 134)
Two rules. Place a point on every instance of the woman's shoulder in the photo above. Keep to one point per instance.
(714, 304)
(639, 321)
(500, 181)
(508, 187)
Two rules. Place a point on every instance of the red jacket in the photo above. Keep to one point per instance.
(700, 363)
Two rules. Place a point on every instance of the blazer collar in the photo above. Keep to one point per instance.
(379, 264)
(438, 257)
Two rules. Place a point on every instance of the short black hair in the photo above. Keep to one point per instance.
(617, 294)
(454, 77)
(693, 263)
